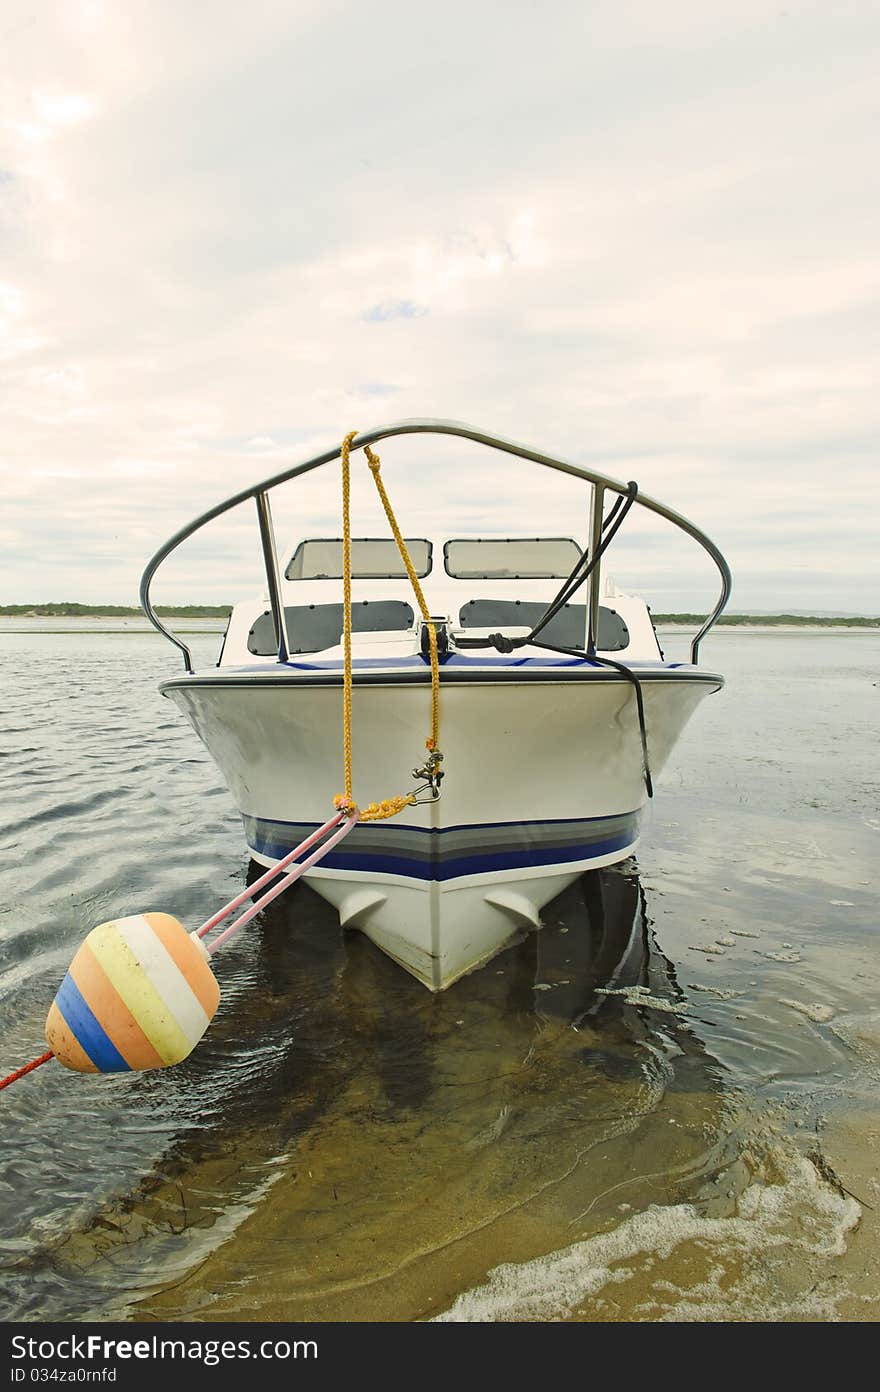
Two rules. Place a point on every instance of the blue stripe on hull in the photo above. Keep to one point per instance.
(451, 852)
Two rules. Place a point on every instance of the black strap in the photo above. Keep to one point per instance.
(637, 687)
(580, 573)
(610, 527)
(507, 645)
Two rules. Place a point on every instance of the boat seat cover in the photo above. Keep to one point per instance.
(566, 630)
(314, 627)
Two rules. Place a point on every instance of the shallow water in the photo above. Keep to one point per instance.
(652, 1109)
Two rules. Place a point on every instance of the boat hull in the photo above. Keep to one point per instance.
(544, 780)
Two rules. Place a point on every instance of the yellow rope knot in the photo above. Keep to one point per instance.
(388, 807)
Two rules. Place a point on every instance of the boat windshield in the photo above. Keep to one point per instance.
(511, 558)
(372, 558)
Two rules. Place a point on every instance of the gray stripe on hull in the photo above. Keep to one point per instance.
(448, 853)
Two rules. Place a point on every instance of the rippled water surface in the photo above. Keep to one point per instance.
(661, 1106)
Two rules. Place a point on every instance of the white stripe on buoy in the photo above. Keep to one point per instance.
(165, 976)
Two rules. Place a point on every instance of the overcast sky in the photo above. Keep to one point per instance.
(641, 235)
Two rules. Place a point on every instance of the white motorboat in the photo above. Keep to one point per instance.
(557, 710)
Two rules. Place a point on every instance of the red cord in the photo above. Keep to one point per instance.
(28, 1068)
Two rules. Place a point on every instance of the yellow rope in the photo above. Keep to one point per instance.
(434, 741)
(388, 807)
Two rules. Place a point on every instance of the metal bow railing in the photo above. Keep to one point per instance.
(600, 484)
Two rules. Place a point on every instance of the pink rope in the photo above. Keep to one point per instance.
(282, 884)
(257, 885)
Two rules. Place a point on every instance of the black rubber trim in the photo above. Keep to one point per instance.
(455, 678)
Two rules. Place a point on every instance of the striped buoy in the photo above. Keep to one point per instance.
(139, 994)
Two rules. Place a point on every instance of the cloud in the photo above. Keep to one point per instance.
(644, 241)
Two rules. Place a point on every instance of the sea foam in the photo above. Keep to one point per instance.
(788, 1217)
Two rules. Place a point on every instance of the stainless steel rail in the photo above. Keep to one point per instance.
(273, 575)
(258, 491)
(597, 512)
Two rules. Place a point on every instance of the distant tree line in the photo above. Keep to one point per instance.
(800, 619)
(67, 609)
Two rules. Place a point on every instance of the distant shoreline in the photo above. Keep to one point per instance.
(112, 611)
(769, 621)
(63, 611)
(773, 626)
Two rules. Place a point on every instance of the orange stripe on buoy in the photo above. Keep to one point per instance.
(65, 1045)
(114, 1016)
(187, 957)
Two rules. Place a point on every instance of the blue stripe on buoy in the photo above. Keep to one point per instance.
(84, 1026)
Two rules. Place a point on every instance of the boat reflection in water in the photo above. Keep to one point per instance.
(584, 971)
